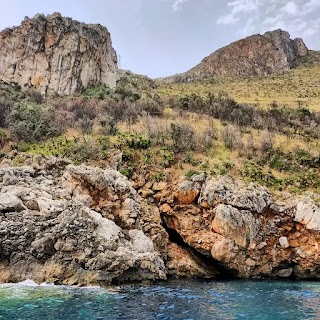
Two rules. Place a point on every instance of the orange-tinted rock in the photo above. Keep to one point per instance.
(186, 197)
(184, 263)
(165, 208)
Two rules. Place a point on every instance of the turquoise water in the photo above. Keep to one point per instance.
(173, 300)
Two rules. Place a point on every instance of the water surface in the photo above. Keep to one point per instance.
(183, 299)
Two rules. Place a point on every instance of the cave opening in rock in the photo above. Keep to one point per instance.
(204, 259)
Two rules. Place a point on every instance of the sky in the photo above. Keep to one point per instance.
(163, 37)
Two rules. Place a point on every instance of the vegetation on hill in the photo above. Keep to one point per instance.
(172, 130)
(299, 86)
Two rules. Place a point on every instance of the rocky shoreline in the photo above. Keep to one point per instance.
(83, 225)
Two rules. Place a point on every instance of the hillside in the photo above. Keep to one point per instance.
(139, 180)
(297, 86)
(271, 53)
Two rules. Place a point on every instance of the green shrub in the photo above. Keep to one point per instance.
(134, 141)
(32, 122)
(222, 168)
(168, 158)
(191, 173)
(101, 92)
(183, 137)
(158, 177)
(77, 150)
(253, 172)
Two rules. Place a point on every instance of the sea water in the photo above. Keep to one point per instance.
(180, 299)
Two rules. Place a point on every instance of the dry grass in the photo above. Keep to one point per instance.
(300, 85)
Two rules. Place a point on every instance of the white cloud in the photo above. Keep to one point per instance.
(299, 17)
(178, 4)
(311, 5)
(290, 8)
(238, 7)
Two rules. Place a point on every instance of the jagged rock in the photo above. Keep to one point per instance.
(224, 249)
(69, 240)
(183, 263)
(308, 214)
(56, 54)
(257, 55)
(239, 226)
(284, 243)
(245, 231)
(253, 198)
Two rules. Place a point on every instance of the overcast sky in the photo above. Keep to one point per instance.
(164, 37)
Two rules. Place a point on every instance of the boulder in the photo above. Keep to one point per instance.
(239, 226)
(308, 213)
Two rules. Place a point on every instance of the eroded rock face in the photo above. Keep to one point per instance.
(56, 54)
(257, 55)
(243, 229)
(72, 225)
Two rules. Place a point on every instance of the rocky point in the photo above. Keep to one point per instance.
(83, 225)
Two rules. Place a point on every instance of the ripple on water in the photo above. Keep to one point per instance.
(229, 300)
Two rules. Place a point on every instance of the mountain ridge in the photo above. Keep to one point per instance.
(271, 53)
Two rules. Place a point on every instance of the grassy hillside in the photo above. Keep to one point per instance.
(162, 132)
(297, 86)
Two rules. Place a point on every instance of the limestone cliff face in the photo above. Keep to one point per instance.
(273, 52)
(82, 225)
(244, 229)
(57, 54)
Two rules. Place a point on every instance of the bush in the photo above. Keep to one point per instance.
(101, 92)
(6, 106)
(109, 126)
(266, 141)
(253, 172)
(77, 150)
(231, 137)
(3, 138)
(183, 137)
(32, 122)
(206, 139)
(191, 173)
(133, 141)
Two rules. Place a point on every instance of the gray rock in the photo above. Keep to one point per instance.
(10, 203)
(58, 236)
(253, 197)
(284, 243)
(57, 54)
(308, 213)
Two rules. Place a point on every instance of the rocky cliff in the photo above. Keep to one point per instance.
(244, 229)
(57, 54)
(81, 225)
(257, 55)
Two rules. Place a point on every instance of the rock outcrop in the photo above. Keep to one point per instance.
(82, 225)
(56, 54)
(72, 225)
(244, 230)
(271, 53)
